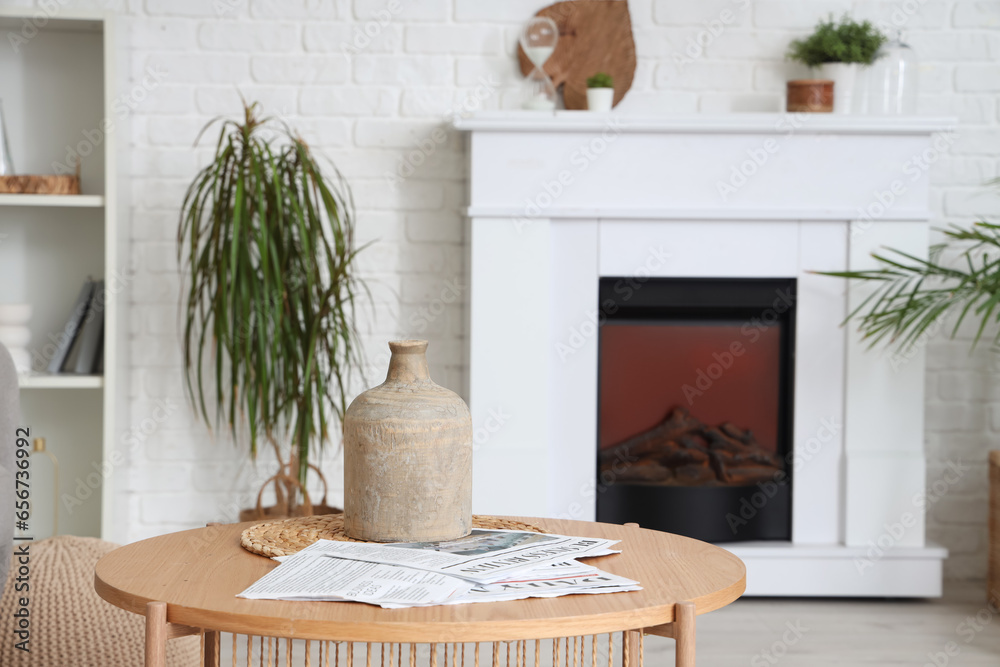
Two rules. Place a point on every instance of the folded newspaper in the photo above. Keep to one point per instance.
(485, 566)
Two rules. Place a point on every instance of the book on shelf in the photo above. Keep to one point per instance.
(92, 334)
(99, 364)
(71, 331)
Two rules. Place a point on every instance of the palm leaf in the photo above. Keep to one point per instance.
(912, 294)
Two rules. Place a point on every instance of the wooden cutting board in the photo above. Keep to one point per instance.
(594, 36)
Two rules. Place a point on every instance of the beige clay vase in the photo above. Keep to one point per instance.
(408, 456)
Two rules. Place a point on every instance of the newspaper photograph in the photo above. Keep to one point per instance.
(479, 542)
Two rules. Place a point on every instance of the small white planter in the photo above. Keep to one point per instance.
(600, 99)
(844, 77)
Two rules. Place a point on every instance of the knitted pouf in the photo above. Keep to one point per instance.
(70, 625)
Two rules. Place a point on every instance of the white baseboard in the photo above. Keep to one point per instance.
(782, 569)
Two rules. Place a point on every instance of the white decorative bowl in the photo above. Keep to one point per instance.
(15, 313)
(15, 336)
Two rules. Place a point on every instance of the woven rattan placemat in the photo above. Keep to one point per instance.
(289, 536)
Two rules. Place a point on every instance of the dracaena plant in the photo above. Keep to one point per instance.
(266, 239)
(912, 294)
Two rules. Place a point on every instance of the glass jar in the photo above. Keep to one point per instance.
(892, 80)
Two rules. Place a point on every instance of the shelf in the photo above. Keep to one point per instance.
(780, 124)
(13, 19)
(49, 381)
(77, 201)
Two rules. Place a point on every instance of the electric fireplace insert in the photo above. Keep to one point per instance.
(695, 406)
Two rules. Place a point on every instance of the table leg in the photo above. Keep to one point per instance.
(684, 630)
(212, 646)
(630, 648)
(156, 634)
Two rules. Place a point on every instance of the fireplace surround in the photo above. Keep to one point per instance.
(560, 201)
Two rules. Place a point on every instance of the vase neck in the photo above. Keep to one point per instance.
(408, 362)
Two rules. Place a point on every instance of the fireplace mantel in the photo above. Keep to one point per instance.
(738, 123)
(796, 166)
(558, 201)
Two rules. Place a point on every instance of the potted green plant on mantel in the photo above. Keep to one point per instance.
(269, 337)
(600, 92)
(839, 50)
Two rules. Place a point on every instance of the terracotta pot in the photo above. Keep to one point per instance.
(810, 95)
(408, 456)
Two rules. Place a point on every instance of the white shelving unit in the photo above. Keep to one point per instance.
(57, 88)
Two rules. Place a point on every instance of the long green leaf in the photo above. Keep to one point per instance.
(266, 239)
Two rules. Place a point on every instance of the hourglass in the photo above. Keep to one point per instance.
(538, 39)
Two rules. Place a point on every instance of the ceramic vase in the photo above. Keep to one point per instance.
(844, 77)
(407, 456)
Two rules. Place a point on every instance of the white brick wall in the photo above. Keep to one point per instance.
(367, 80)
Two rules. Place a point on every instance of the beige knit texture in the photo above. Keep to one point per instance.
(71, 626)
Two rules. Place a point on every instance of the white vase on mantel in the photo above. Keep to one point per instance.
(844, 77)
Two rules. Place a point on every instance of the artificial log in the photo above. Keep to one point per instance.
(682, 450)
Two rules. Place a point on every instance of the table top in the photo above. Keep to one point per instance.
(198, 573)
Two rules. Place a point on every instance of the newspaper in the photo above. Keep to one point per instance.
(311, 577)
(482, 557)
(542, 583)
(485, 566)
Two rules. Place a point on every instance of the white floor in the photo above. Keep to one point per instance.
(792, 633)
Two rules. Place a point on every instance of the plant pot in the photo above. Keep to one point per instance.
(407, 456)
(810, 95)
(844, 77)
(600, 99)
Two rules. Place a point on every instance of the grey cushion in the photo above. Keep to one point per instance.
(10, 419)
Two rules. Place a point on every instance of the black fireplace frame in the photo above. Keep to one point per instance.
(758, 512)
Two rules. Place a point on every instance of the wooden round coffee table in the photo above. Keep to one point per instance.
(187, 582)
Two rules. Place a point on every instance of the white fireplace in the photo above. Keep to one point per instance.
(559, 201)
